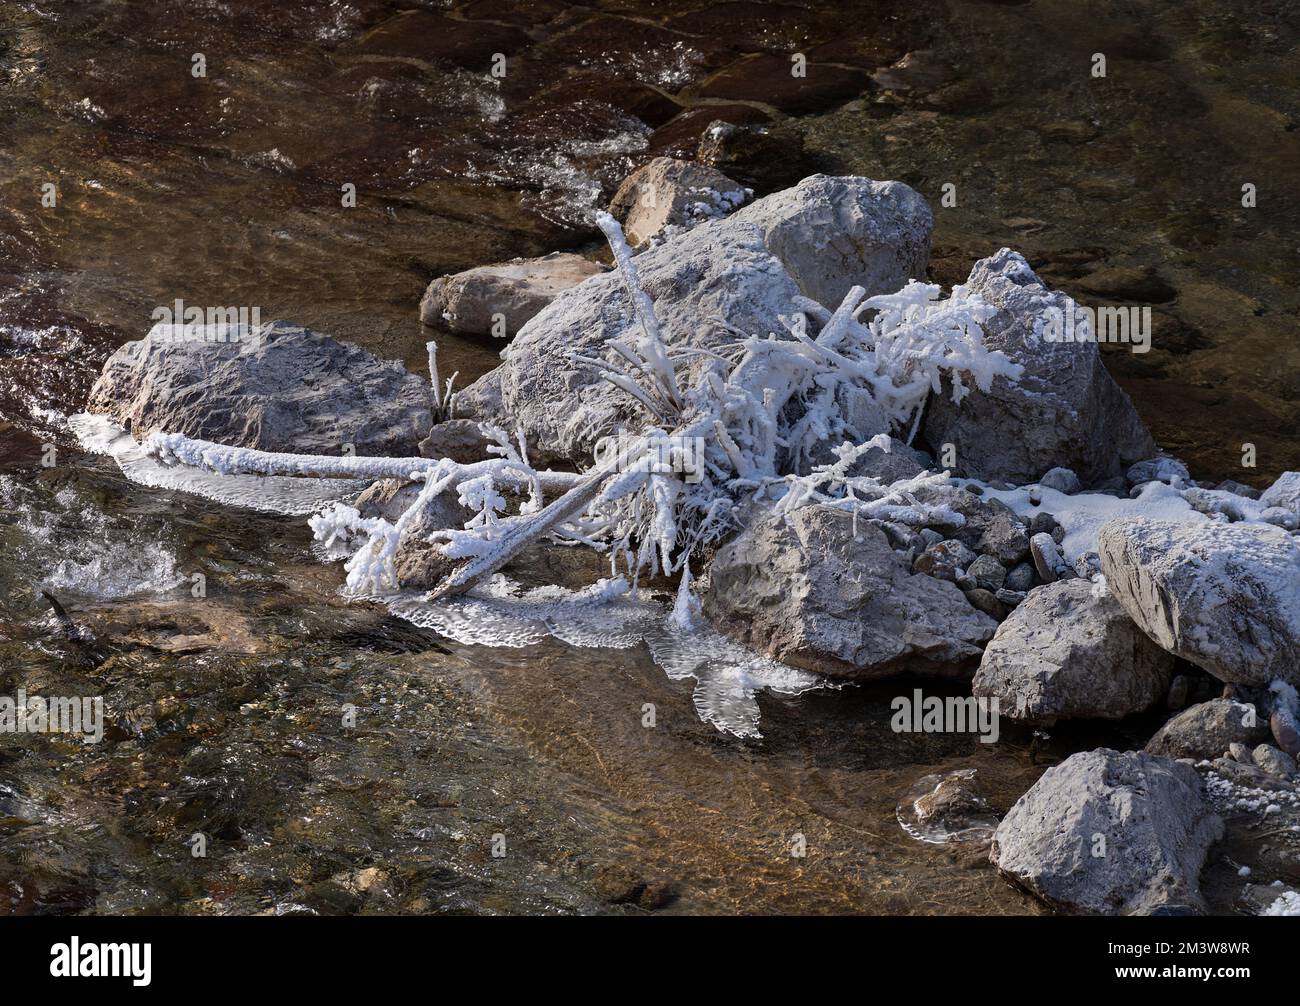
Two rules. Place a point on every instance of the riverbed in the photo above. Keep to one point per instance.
(335, 759)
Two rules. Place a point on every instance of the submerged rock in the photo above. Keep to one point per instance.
(1107, 833)
(474, 301)
(277, 387)
(1224, 596)
(1068, 652)
(947, 808)
(667, 192)
(806, 591)
(1208, 729)
(1064, 411)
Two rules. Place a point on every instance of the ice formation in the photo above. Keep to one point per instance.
(759, 417)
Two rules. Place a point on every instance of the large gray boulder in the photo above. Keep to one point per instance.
(832, 233)
(1065, 410)
(1105, 833)
(276, 387)
(1070, 652)
(1208, 729)
(1224, 596)
(806, 591)
(511, 292)
(737, 274)
(714, 273)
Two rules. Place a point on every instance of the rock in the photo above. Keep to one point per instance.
(806, 592)
(667, 192)
(461, 440)
(276, 387)
(1177, 697)
(986, 601)
(899, 462)
(1286, 732)
(1087, 565)
(948, 807)
(1238, 489)
(1020, 578)
(1240, 752)
(1284, 493)
(419, 564)
(1004, 539)
(832, 233)
(988, 572)
(1062, 480)
(1049, 563)
(474, 300)
(1274, 762)
(1110, 834)
(988, 525)
(1128, 283)
(1064, 411)
(717, 270)
(944, 560)
(1066, 653)
(1208, 729)
(1170, 471)
(390, 498)
(1010, 598)
(1042, 523)
(1224, 596)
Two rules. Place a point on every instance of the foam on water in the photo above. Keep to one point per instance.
(81, 551)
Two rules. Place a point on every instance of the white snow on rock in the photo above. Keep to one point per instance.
(1083, 515)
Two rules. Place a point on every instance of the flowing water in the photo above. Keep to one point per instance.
(335, 758)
